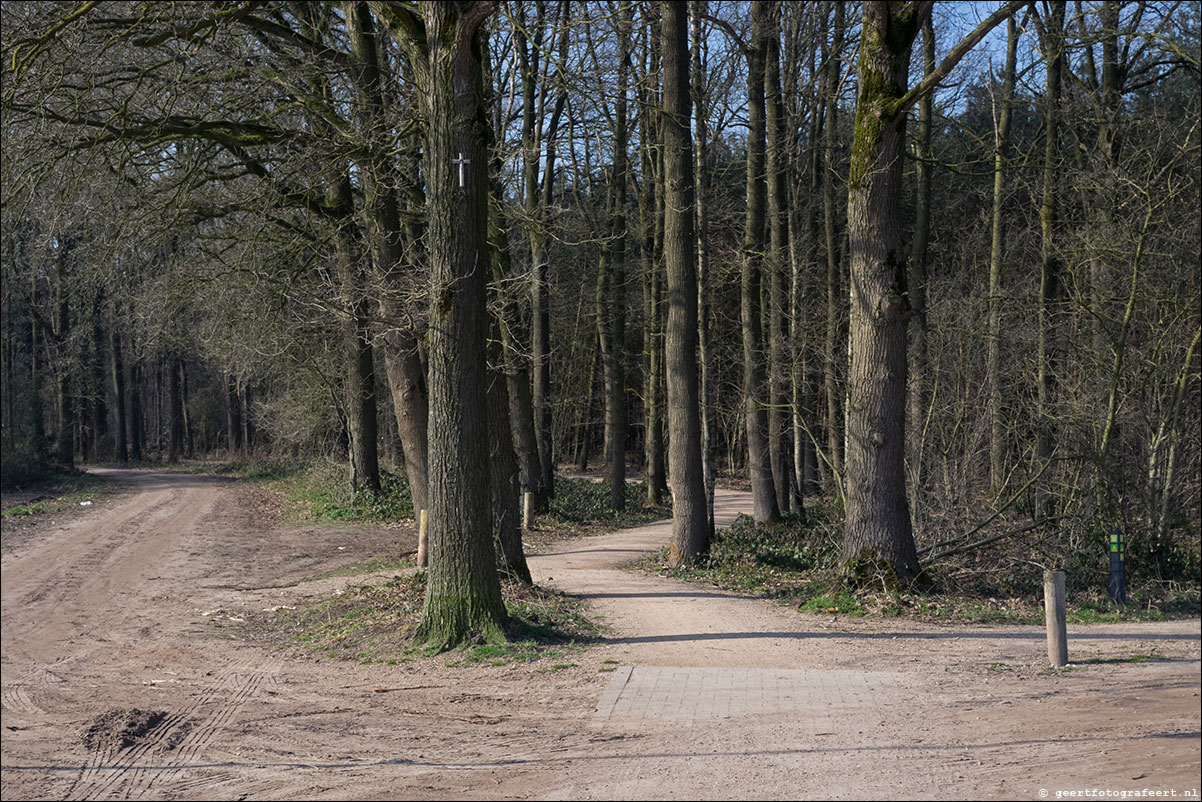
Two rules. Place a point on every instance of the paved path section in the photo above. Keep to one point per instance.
(688, 694)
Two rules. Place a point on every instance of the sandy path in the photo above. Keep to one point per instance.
(137, 604)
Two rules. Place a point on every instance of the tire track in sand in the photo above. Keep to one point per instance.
(164, 755)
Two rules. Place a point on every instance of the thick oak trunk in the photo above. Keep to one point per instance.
(463, 595)
(878, 516)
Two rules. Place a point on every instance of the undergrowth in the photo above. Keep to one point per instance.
(581, 508)
(796, 562)
(319, 491)
(60, 491)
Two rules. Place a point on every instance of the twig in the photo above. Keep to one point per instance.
(979, 543)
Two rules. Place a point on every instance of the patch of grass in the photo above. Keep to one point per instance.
(375, 624)
(320, 492)
(844, 602)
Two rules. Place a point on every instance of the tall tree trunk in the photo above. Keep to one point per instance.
(248, 424)
(651, 212)
(189, 430)
(919, 394)
(1109, 341)
(832, 352)
(779, 446)
(386, 235)
(1051, 280)
(233, 417)
(993, 367)
(175, 410)
(36, 370)
(613, 340)
(653, 411)
(117, 372)
(584, 415)
(529, 53)
(517, 364)
(463, 596)
(359, 387)
(538, 199)
(755, 390)
(1106, 156)
(878, 518)
(97, 403)
(503, 472)
(410, 404)
(63, 402)
(507, 479)
(137, 420)
(807, 207)
(702, 182)
(690, 520)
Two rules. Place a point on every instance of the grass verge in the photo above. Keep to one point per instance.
(375, 624)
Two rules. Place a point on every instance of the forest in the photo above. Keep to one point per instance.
(931, 266)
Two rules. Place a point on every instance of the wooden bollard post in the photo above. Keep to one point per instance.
(528, 511)
(423, 539)
(1053, 604)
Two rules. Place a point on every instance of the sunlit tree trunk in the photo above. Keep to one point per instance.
(690, 520)
(1051, 280)
(993, 368)
(919, 393)
(878, 516)
(651, 212)
(878, 522)
(385, 237)
(612, 301)
(833, 346)
(702, 183)
(446, 45)
(779, 432)
(755, 384)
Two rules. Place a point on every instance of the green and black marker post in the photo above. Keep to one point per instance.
(1118, 567)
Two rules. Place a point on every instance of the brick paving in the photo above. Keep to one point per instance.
(703, 693)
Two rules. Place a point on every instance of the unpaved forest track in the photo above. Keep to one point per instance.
(98, 594)
(127, 674)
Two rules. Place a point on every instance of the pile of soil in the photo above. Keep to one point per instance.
(121, 729)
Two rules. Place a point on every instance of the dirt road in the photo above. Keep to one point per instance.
(126, 674)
